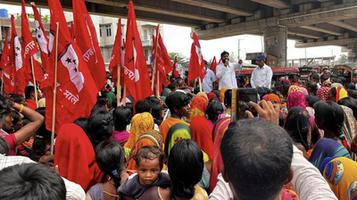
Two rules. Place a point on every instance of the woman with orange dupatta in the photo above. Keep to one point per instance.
(75, 157)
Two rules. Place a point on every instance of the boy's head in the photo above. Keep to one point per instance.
(257, 158)
(149, 162)
(178, 103)
(121, 117)
(31, 181)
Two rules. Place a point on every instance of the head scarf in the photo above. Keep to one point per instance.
(202, 134)
(323, 93)
(217, 162)
(272, 97)
(296, 98)
(296, 88)
(202, 94)
(140, 123)
(75, 157)
(327, 148)
(341, 175)
(198, 106)
(150, 138)
(341, 92)
(211, 96)
(176, 132)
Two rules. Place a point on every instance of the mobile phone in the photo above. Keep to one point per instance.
(240, 102)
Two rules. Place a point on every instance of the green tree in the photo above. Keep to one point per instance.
(181, 59)
(343, 59)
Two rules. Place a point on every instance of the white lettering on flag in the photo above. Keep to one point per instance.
(71, 97)
(88, 54)
(29, 47)
(70, 60)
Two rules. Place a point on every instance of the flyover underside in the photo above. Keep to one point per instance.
(311, 23)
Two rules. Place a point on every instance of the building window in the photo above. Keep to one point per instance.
(105, 28)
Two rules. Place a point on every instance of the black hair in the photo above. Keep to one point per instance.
(121, 118)
(214, 108)
(312, 87)
(100, 105)
(17, 98)
(228, 98)
(42, 139)
(184, 155)
(110, 158)
(351, 103)
(262, 153)
(4, 147)
(100, 127)
(151, 153)
(28, 91)
(142, 105)
(224, 53)
(155, 109)
(311, 100)
(298, 127)
(31, 181)
(330, 116)
(177, 100)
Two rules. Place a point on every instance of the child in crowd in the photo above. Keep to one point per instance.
(149, 182)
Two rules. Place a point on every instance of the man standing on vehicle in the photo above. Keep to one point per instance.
(226, 74)
(262, 75)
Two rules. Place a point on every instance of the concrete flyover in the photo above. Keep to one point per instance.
(310, 22)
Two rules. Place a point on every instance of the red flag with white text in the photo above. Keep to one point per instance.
(76, 89)
(7, 69)
(30, 48)
(86, 38)
(117, 58)
(135, 69)
(16, 59)
(197, 65)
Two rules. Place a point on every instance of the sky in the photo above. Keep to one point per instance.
(177, 39)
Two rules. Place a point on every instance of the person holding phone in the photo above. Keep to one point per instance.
(226, 74)
(262, 75)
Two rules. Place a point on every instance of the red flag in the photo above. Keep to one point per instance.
(30, 47)
(214, 64)
(76, 89)
(16, 59)
(135, 69)
(42, 41)
(197, 64)
(86, 38)
(7, 72)
(117, 53)
(162, 60)
(175, 73)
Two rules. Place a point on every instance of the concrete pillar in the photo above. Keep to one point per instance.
(275, 43)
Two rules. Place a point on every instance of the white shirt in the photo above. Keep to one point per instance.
(227, 76)
(73, 190)
(307, 181)
(261, 77)
(208, 80)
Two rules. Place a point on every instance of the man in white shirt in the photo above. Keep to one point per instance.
(262, 75)
(208, 80)
(226, 74)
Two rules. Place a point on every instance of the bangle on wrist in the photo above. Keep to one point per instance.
(21, 108)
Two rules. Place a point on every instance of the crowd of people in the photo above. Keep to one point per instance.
(299, 141)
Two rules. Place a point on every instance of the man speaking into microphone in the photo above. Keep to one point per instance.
(226, 74)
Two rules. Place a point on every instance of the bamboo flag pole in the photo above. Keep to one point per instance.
(34, 81)
(124, 94)
(54, 91)
(154, 68)
(234, 105)
(118, 86)
(2, 82)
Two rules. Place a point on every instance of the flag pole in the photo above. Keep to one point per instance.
(34, 80)
(200, 83)
(54, 91)
(124, 95)
(2, 82)
(154, 68)
(158, 85)
(118, 86)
